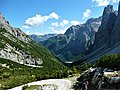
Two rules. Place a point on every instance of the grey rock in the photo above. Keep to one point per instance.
(115, 38)
(105, 30)
(11, 52)
(14, 31)
(107, 39)
(72, 45)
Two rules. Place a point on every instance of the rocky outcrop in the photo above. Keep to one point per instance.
(107, 40)
(9, 37)
(115, 38)
(17, 55)
(105, 31)
(14, 31)
(72, 30)
(72, 45)
(101, 79)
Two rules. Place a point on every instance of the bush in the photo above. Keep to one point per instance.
(14, 81)
(109, 61)
(19, 74)
(25, 87)
(6, 74)
(1, 77)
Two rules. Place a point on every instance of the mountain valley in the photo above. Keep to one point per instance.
(88, 51)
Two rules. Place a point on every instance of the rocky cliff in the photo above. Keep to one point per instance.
(14, 31)
(101, 79)
(115, 38)
(72, 45)
(15, 45)
(107, 40)
(105, 30)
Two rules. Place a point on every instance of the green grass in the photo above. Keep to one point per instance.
(19, 74)
(118, 72)
(31, 48)
(38, 87)
(32, 87)
(109, 61)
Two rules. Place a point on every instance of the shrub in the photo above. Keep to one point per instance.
(25, 87)
(109, 61)
(6, 74)
(1, 77)
(14, 81)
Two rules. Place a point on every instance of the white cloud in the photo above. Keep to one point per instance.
(59, 28)
(58, 31)
(86, 13)
(64, 22)
(25, 26)
(115, 1)
(55, 24)
(39, 20)
(75, 22)
(104, 2)
(61, 24)
(101, 2)
(54, 15)
(30, 33)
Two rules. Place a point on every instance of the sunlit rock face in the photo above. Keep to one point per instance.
(13, 43)
(72, 45)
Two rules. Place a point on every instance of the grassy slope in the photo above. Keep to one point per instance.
(18, 74)
(35, 50)
(62, 48)
(52, 68)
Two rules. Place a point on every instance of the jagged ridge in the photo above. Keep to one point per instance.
(72, 45)
(107, 40)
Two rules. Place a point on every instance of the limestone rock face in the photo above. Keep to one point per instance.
(104, 33)
(15, 45)
(72, 45)
(12, 44)
(107, 39)
(115, 38)
(14, 31)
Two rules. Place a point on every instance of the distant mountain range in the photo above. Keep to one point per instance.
(81, 43)
(39, 38)
(89, 41)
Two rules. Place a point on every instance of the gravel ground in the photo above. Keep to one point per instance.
(63, 84)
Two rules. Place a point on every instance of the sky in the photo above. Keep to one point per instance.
(51, 16)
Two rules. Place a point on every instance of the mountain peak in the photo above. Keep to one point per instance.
(1, 16)
(14, 31)
(71, 30)
(3, 20)
(108, 9)
(119, 8)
